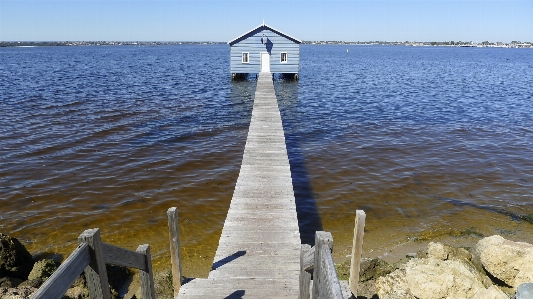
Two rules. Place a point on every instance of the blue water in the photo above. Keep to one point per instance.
(430, 141)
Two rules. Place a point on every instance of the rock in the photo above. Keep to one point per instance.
(163, 285)
(524, 291)
(438, 251)
(491, 293)
(9, 282)
(372, 268)
(511, 262)
(77, 293)
(16, 293)
(35, 283)
(15, 260)
(444, 252)
(43, 269)
(430, 278)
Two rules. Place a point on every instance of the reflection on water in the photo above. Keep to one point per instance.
(433, 143)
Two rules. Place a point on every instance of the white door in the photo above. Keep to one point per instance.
(265, 62)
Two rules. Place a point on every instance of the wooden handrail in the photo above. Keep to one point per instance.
(325, 280)
(122, 257)
(65, 275)
(319, 261)
(91, 256)
(307, 256)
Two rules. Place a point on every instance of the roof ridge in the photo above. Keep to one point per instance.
(266, 26)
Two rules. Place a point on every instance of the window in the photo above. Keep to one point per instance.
(245, 57)
(283, 57)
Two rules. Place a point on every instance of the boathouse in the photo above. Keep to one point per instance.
(264, 49)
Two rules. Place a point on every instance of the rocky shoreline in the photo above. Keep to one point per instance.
(495, 268)
(21, 274)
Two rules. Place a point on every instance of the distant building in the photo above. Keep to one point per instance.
(264, 49)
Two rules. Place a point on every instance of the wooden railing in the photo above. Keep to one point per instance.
(317, 262)
(92, 255)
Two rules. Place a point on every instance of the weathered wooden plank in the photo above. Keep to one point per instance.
(346, 293)
(283, 273)
(147, 278)
(305, 277)
(322, 240)
(259, 247)
(95, 272)
(357, 250)
(61, 280)
(253, 288)
(122, 257)
(175, 249)
(325, 280)
(330, 287)
(225, 253)
(307, 258)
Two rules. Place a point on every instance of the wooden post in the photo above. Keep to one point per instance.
(147, 277)
(322, 240)
(95, 273)
(305, 277)
(175, 254)
(357, 250)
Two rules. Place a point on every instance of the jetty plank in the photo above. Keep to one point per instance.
(259, 249)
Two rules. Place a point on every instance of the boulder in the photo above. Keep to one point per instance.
(444, 252)
(511, 262)
(430, 278)
(9, 282)
(524, 291)
(77, 293)
(34, 283)
(490, 293)
(372, 268)
(16, 293)
(15, 260)
(43, 269)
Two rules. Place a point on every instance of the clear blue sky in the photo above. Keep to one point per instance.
(218, 20)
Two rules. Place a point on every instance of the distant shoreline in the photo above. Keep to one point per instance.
(486, 44)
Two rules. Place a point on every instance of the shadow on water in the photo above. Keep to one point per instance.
(308, 217)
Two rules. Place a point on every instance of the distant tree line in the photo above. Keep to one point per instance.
(96, 43)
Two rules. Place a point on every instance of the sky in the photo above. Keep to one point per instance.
(221, 21)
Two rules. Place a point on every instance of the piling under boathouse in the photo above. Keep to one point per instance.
(264, 49)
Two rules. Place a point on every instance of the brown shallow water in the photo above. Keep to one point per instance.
(431, 151)
(423, 191)
(129, 206)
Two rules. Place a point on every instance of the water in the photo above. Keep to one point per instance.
(433, 143)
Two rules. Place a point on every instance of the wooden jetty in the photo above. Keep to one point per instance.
(259, 254)
(259, 250)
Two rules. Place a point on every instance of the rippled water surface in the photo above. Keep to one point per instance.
(433, 143)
